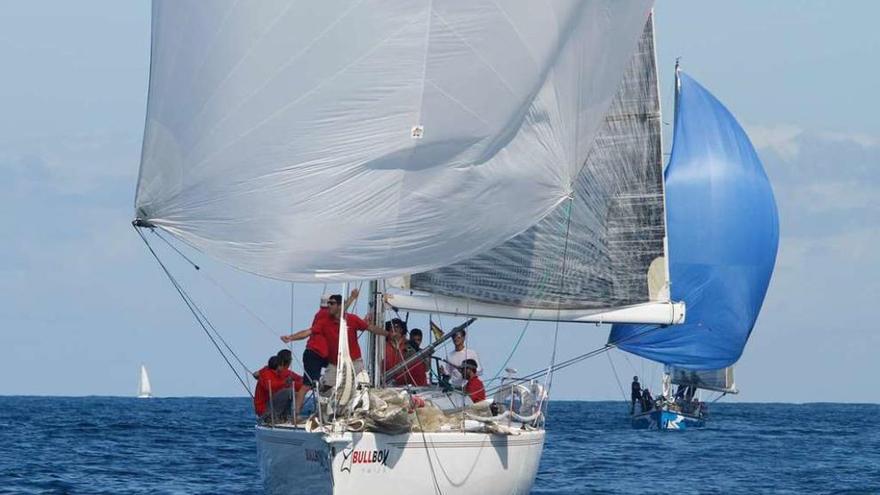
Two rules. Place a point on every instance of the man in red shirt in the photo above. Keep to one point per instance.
(275, 388)
(316, 352)
(264, 379)
(330, 329)
(395, 346)
(417, 372)
(473, 386)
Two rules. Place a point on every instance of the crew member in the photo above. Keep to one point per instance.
(416, 372)
(635, 395)
(315, 356)
(452, 367)
(473, 385)
(330, 328)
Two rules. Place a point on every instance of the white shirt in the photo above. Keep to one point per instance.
(456, 358)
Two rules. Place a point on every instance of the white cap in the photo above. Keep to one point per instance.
(325, 299)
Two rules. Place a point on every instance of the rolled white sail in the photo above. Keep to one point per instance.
(361, 139)
(607, 263)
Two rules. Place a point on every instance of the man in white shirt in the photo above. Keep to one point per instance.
(452, 367)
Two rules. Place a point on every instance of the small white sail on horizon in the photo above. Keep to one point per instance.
(145, 391)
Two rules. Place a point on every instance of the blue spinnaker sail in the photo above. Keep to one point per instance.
(723, 233)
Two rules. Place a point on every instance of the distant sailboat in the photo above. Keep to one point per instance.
(723, 237)
(144, 389)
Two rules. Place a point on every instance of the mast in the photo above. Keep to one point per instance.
(377, 342)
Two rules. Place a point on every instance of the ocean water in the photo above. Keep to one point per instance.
(95, 445)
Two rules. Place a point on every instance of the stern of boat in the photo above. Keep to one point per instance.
(661, 419)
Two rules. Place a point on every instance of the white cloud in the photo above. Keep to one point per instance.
(858, 246)
(781, 138)
(861, 139)
(788, 140)
(837, 196)
(76, 164)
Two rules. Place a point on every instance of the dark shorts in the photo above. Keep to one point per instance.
(312, 364)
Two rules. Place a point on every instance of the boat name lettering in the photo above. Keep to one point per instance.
(316, 456)
(370, 457)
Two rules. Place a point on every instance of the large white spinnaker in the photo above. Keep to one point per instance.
(598, 257)
(371, 138)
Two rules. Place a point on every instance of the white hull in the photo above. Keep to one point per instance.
(293, 461)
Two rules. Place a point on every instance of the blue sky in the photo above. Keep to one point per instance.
(82, 304)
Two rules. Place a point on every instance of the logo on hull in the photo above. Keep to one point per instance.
(374, 457)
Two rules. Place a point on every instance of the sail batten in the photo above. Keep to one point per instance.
(365, 139)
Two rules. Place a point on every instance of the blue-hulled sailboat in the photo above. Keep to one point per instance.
(723, 234)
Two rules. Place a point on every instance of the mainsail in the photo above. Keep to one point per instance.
(723, 238)
(720, 380)
(372, 138)
(592, 254)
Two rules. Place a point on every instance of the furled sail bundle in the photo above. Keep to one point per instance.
(599, 256)
(723, 238)
(364, 139)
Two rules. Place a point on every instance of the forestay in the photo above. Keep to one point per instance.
(723, 238)
(364, 139)
(593, 252)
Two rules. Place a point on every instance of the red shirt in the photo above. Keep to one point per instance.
(417, 374)
(317, 342)
(288, 377)
(475, 389)
(393, 357)
(270, 382)
(329, 327)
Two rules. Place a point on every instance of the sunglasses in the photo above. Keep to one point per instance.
(332, 303)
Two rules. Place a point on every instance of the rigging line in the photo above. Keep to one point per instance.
(217, 333)
(292, 300)
(424, 442)
(178, 251)
(512, 351)
(201, 313)
(616, 378)
(204, 318)
(632, 366)
(192, 310)
(222, 289)
(548, 383)
(577, 359)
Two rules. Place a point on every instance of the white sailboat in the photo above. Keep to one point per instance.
(493, 159)
(145, 391)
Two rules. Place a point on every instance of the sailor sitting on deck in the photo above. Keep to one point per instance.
(276, 384)
(452, 366)
(473, 386)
